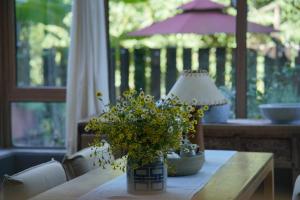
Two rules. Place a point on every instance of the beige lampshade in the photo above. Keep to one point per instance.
(199, 86)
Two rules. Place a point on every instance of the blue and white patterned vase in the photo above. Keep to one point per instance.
(148, 179)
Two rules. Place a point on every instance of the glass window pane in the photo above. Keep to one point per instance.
(42, 40)
(155, 62)
(273, 62)
(36, 124)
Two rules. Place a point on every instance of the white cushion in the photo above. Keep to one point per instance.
(296, 191)
(84, 160)
(34, 180)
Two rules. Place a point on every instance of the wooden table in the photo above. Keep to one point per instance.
(238, 179)
(283, 140)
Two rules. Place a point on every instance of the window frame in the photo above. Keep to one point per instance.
(11, 92)
(26, 93)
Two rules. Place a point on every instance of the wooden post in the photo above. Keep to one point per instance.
(297, 75)
(221, 59)
(233, 68)
(269, 64)
(155, 72)
(171, 74)
(23, 71)
(281, 59)
(63, 66)
(187, 58)
(111, 74)
(203, 59)
(49, 65)
(139, 69)
(251, 65)
(251, 81)
(241, 72)
(124, 68)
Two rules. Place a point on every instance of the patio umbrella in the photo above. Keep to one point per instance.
(199, 17)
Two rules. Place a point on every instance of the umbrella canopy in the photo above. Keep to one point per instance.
(199, 17)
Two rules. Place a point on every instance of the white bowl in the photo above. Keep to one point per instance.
(281, 113)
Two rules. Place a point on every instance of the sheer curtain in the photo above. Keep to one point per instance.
(87, 66)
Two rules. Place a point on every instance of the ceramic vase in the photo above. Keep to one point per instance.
(148, 179)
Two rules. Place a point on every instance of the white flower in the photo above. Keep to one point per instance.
(170, 129)
(118, 106)
(190, 108)
(194, 101)
(148, 98)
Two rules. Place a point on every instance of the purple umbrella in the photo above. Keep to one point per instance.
(199, 17)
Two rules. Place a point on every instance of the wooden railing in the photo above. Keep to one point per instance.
(156, 70)
(163, 75)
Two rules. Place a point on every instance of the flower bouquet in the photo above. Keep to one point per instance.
(144, 132)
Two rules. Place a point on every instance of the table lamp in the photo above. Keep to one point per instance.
(197, 85)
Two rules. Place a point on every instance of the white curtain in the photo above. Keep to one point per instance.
(87, 66)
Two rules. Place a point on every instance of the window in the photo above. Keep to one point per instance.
(42, 40)
(34, 60)
(155, 62)
(36, 124)
(38, 78)
(273, 64)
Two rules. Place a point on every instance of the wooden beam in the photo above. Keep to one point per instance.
(37, 94)
(2, 90)
(241, 62)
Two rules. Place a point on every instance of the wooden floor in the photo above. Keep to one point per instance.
(283, 186)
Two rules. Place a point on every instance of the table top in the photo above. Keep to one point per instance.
(236, 179)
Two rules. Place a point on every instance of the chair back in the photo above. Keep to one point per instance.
(85, 160)
(34, 180)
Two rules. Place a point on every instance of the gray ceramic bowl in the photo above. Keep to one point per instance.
(281, 113)
(184, 166)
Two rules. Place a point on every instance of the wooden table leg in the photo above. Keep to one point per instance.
(269, 186)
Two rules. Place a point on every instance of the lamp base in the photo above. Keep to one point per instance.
(198, 137)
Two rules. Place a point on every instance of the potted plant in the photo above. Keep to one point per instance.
(145, 132)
